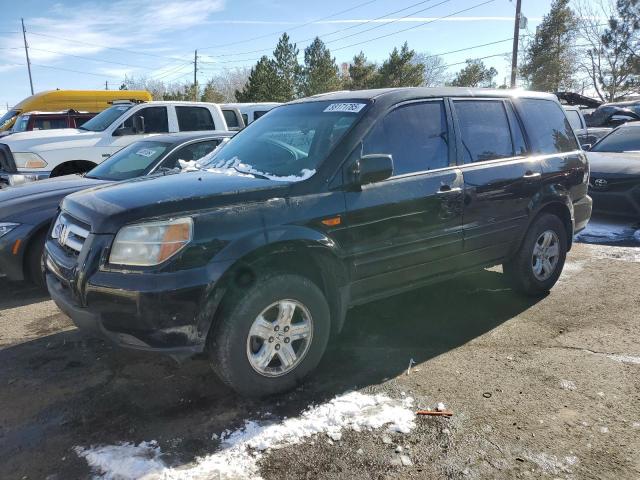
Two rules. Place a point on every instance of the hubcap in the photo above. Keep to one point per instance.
(546, 253)
(279, 338)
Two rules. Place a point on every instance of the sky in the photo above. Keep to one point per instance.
(82, 44)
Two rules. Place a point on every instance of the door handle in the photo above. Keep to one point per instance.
(530, 174)
(448, 189)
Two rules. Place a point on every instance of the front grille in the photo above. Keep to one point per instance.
(70, 233)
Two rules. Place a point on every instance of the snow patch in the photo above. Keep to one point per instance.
(242, 449)
(603, 231)
(625, 359)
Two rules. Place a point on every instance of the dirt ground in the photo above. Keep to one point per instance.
(546, 388)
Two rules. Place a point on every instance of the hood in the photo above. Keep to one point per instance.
(107, 209)
(614, 165)
(16, 203)
(38, 140)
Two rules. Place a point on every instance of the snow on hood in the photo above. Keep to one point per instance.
(235, 167)
(241, 449)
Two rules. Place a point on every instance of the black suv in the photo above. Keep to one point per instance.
(325, 203)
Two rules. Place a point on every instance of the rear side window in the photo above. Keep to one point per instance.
(484, 130)
(574, 119)
(231, 118)
(192, 119)
(547, 126)
(416, 135)
(155, 119)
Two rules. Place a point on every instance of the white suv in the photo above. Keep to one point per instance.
(35, 155)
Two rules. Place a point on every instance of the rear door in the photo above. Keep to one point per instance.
(408, 227)
(499, 178)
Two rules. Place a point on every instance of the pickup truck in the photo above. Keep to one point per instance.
(325, 203)
(35, 155)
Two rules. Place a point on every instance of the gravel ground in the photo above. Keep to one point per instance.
(545, 388)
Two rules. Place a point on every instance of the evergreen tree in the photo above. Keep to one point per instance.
(362, 74)
(320, 70)
(287, 69)
(400, 69)
(475, 74)
(550, 64)
(259, 87)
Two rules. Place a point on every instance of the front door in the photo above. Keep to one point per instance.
(406, 228)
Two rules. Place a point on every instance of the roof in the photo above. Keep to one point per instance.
(422, 92)
(180, 137)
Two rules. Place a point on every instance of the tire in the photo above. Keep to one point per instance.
(527, 272)
(238, 344)
(33, 260)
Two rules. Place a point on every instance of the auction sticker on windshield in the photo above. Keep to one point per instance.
(345, 107)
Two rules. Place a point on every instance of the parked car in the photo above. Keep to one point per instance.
(81, 100)
(323, 204)
(33, 156)
(615, 172)
(587, 136)
(252, 111)
(26, 211)
(27, 122)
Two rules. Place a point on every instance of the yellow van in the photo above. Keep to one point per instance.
(81, 100)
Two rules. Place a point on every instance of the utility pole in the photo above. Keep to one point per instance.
(195, 76)
(26, 51)
(516, 38)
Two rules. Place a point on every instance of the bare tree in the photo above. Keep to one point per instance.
(608, 65)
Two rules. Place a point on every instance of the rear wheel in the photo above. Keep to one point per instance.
(271, 335)
(537, 265)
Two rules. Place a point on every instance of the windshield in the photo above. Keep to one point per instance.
(130, 162)
(101, 122)
(626, 139)
(7, 118)
(290, 142)
(21, 124)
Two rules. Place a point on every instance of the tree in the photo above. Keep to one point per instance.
(611, 57)
(320, 72)
(259, 87)
(287, 69)
(400, 70)
(549, 64)
(362, 74)
(435, 70)
(475, 74)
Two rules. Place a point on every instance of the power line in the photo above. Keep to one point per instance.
(292, 28)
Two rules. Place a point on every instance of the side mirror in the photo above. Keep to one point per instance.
(138, 124)
(372, 168)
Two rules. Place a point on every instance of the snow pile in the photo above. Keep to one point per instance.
(242, 448)
(601, 231)
(235, 167)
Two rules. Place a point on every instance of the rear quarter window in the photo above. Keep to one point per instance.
(547, 126)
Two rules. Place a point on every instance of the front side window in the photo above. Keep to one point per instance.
(415, 135)
(104, 119)
(547, 126)
(192, 119)
(155, 120)
(290, 142)
(130, 162)
(484, 130)
(624, 139)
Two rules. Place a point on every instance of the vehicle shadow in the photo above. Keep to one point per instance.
(83, 391)
(18, 294)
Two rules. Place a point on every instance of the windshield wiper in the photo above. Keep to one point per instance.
(257, 175)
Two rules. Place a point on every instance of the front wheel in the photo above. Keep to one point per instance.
(537, 265)
(271, 335)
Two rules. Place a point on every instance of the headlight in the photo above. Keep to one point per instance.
(28, 160)
(6, 227)
(152, 243)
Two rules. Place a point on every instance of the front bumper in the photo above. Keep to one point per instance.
(165, 312)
